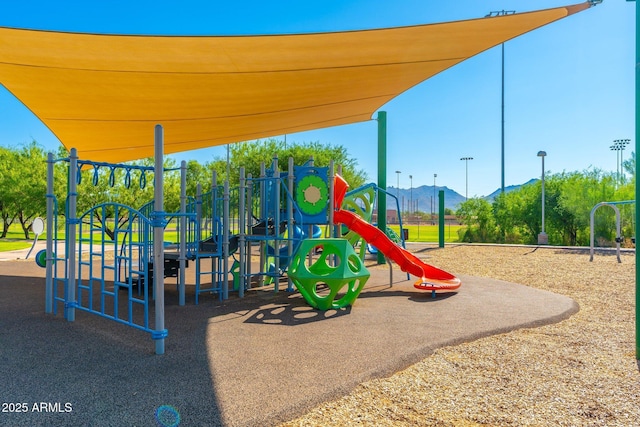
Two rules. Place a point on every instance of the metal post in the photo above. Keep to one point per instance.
(248, 219)
(543, 239)
(183, 230)
(502, 145)
(543, 194)
(261, 214)
(276, 224)
(441, 219)
(241, 237)
(158, 240)
(290, 227)
(226, 223)
(637, 231)
(382, 176)
(466, 176)
(410, 194)
(198, 238)
(433, 211)
(48, 302)
(70, 301)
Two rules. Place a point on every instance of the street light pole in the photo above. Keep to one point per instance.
(490, 15)
(502, 129)
(410, 193)
(398, 190)
(466, 175)
(618, 146)
(543, 239)
(433, 205)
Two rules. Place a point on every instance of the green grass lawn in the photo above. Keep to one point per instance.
(417, 233)
(13, 245)
(15, 240)
(429, 233)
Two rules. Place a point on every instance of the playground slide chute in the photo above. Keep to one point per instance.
(431, 278)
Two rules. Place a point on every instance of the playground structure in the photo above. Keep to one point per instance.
(119, 273)
(619, 238)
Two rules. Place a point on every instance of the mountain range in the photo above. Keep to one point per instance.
(421, 198)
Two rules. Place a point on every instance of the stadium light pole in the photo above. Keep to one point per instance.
(398, 191)
(433, 205)
(618, 146)
(543, 239)
(637, 192)
(466, 176)
(490, 15)
(410, 193)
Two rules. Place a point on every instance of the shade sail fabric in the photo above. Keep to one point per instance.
(103, 94)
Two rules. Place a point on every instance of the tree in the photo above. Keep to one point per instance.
(477, 215)
(23, 181)
(573, 197)
(8, 178)
(250, 155)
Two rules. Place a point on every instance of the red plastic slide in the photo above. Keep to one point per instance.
(431, 278)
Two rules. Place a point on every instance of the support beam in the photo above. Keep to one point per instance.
(48, 304)
(72, 226)
(183, 231)
(158, 240)
(382, 176)
(637, 187)
(441, 219)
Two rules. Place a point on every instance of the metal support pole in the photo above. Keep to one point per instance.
(183, 231)
(502, 129)
(198, 238)
(70, 300)
(249, 218)
(441, 219)
(261, 214)
(276, 224)
(542, 194)
(241, 239)
(225, 239)
(637, 231)
(382, 176)
(48, 298)
(290, 230)
(158, 239)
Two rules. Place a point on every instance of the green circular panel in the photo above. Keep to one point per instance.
(312, 195)
(41, 258)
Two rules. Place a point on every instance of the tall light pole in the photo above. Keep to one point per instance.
(410, 193)
(433, 204)
(543, 239)
(489, 15)
(618, 146)
(398, 190)
(466, 175)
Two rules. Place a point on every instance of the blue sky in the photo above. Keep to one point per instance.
(569, 86)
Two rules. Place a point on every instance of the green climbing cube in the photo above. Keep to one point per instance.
(334, 279)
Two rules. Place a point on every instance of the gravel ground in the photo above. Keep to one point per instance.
(579, 372)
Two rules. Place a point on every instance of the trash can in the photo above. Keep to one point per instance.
(405, 234)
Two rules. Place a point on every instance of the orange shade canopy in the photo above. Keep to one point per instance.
(103, 94)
